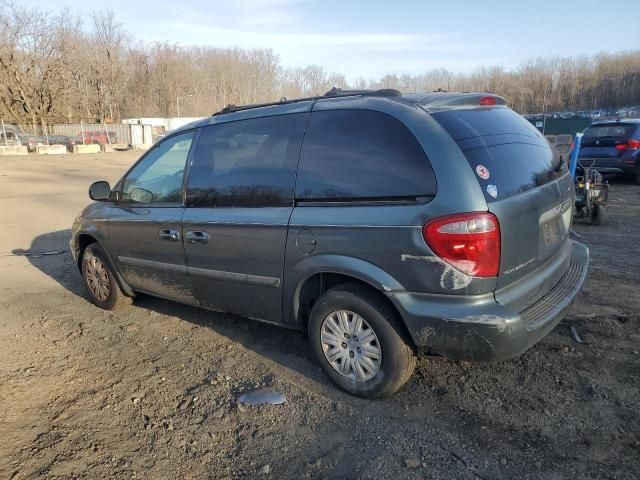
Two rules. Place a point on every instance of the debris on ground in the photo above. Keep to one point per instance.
(28, 253)
(574, 334)
(262, 396)
(412, 462)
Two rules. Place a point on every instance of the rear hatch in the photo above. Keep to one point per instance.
(526, 186)
(600, 141)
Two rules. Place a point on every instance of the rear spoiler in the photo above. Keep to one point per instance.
(442, 101)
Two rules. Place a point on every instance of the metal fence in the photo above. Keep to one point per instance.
(84, 133)
(116, 133)
(560, 126)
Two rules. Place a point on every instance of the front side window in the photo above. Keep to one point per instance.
(158, 177)
(361, 155)
(247, 163)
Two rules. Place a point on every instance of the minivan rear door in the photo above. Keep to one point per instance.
(524, 181)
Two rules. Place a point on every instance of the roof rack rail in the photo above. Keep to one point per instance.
(382, 92)
(333, 93)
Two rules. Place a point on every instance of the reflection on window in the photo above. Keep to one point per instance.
(248, 163)
(603, 131)
(158, 177)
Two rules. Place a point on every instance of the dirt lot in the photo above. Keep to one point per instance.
(150, 391)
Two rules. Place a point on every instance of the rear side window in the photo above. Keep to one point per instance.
(248, 163)
(507, 153)
(361, 155)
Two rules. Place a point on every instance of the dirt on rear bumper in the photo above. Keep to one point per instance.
(481, 329)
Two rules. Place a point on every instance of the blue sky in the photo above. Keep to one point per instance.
(372, 38)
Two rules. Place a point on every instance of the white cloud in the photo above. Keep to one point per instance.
(286, 27)
(355, 54)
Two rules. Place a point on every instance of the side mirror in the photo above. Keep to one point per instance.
(100, 191)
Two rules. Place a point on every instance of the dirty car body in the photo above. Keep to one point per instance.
(451, 208)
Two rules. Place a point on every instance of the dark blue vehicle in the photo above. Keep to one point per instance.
(613, 147)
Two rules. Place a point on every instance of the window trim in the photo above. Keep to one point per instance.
(118, 187)
(296, 164)
(364, 201)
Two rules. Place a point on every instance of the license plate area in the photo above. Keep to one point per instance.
(554, 226)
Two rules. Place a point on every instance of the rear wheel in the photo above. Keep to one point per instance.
(100, 281)
(357, 339)
(637, 179)
(597, 215)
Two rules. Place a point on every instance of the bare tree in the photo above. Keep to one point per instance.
(54, 68)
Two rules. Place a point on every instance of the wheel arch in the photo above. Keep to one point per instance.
(83, 240)
(327, 271)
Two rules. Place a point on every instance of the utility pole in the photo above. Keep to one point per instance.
(178, 102)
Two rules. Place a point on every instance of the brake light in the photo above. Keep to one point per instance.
(469, 241)
(631, 145)
(487, 100)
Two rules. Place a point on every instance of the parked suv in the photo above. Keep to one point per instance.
(613, 147)
(379, 223)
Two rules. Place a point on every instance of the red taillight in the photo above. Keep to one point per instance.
(631, 144)
(488, 100)
(469, 241)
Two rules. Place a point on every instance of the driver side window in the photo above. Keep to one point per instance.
(158, 177)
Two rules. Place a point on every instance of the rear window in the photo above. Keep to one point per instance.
(350, 155)
(507, 153)
(620, 130)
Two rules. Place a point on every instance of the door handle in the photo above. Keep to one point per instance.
(196, 237)
(169, 234)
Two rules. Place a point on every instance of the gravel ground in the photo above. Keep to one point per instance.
(151, 391)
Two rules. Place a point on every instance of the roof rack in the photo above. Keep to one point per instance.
(333, 93)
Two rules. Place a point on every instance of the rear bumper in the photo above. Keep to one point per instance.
(625, 165)
(480, 329)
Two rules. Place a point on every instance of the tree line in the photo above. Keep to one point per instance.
(61, 68)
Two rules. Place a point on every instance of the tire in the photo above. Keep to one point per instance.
(597, 215)
(637, 179)
(96, 270)
(367, 377)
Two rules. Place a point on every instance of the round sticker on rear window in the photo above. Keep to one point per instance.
(492, 190)
(483, 172)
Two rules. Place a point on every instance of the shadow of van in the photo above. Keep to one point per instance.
(50, 254)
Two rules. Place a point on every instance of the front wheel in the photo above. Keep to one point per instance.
(357, 338)
(100, 281)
